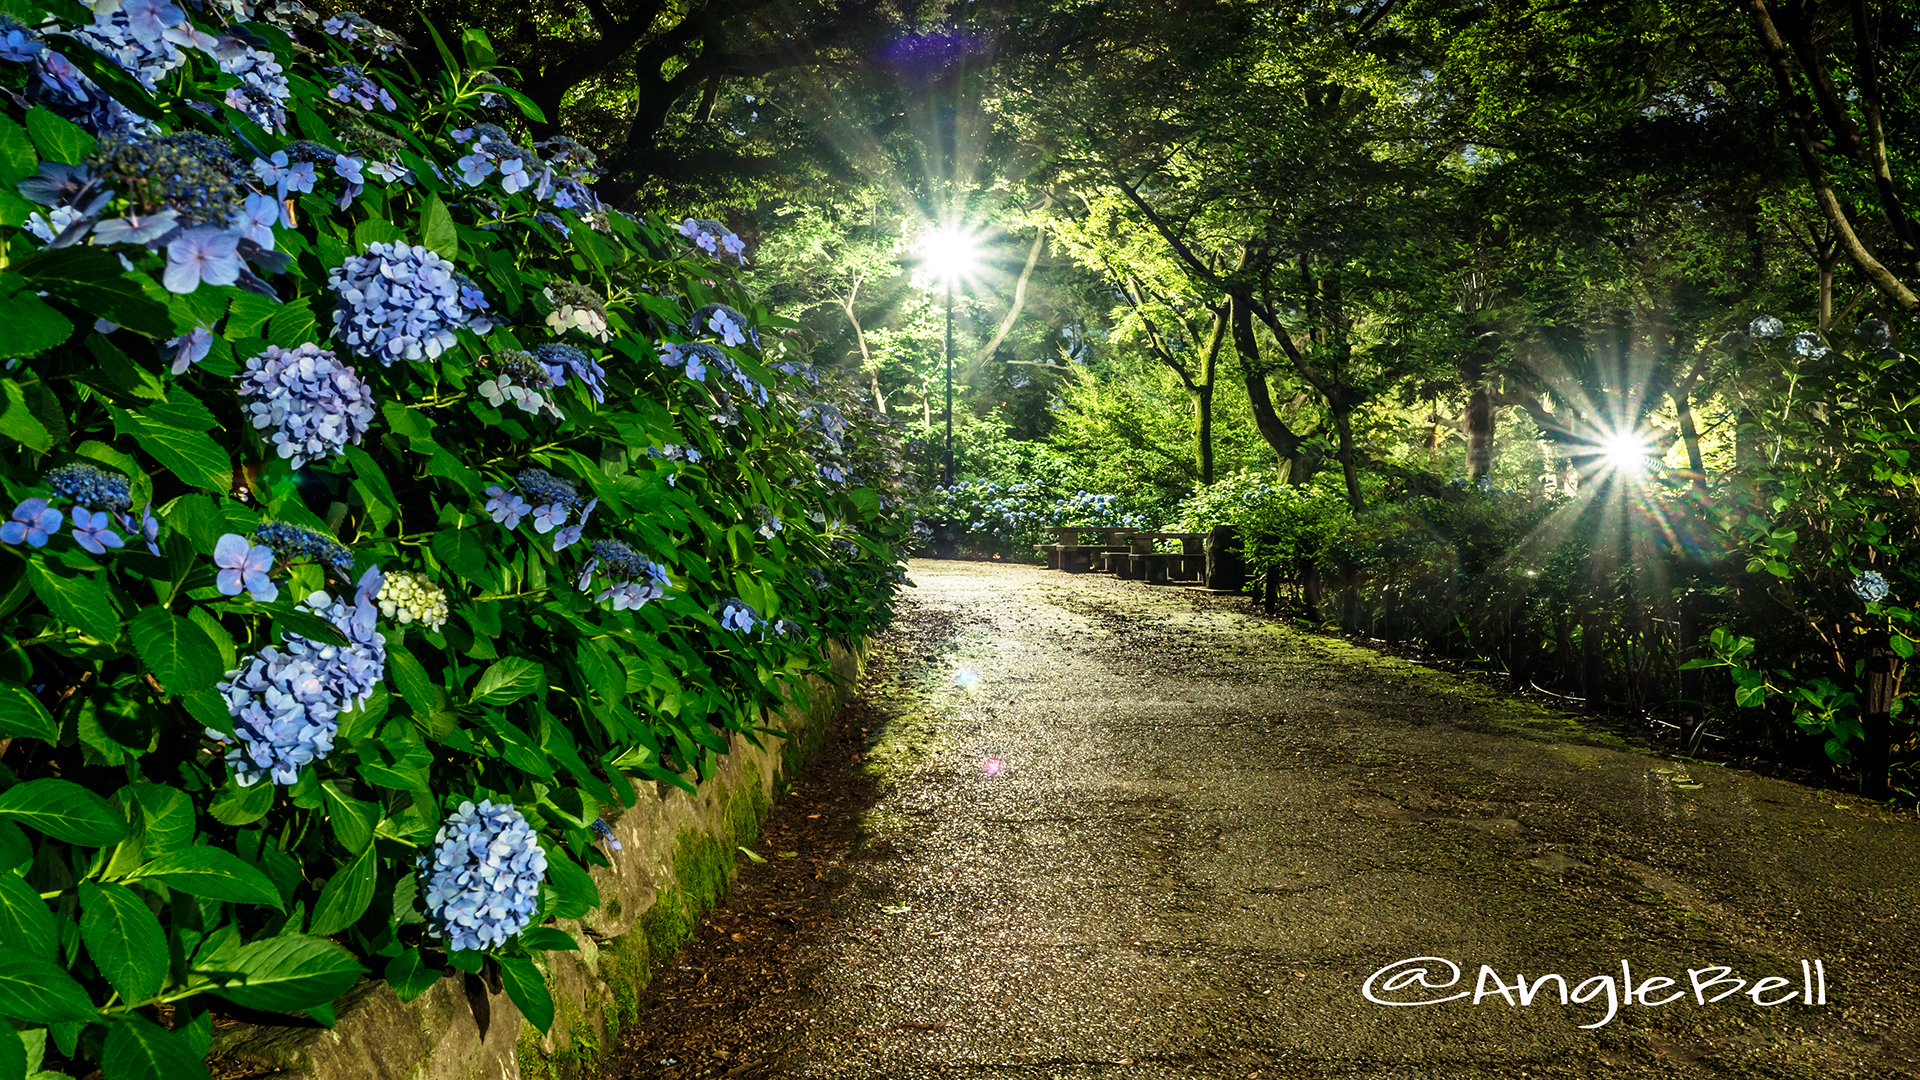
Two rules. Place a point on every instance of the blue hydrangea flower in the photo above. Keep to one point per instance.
(714, 238)
(1871, 586)
(506, 507)
(91, 487)
(768, 524)
(570, 535)
(693, 358)
(147, 528)
(206, 254)
(17, 43)
(737, 615)
(190, 348)
(604, 833)
(244, 565)
(1875, 332)
(314, 404)
(286, 702)
(1806, 346)
(32, 522)
(633, 581)
(481, 882)
(94, 530)
(549, 517)
(819, 577)
(295, 541)
(564, 362)
(401, 302)
(1765, 328)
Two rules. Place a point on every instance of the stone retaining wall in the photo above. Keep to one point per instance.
(676, 858)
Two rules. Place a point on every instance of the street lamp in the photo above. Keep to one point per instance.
(948, 254)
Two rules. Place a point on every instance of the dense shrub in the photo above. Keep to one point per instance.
(379, 504)
(988, 519)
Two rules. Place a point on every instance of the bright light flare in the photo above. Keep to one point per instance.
(1628, 453)
(992, 765)
(949, 254)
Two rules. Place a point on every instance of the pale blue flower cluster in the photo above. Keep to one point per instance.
(1806, 345)
(403, 302)
(737, 615)
(354, 88)
(481, 882)
(102, 501)
(314, 404)
(1765, 328)
(286, 702)
(731, 327)
(566, 363)
(1875, 332)
(520, 168)
(1871, 586)
(766, 523)
(291, 542)
(632, 581)
(262, 93)
(714, 238)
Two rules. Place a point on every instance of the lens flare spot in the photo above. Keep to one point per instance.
(966, 677)
(992, 765)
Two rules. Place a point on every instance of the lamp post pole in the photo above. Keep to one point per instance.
(947, 352)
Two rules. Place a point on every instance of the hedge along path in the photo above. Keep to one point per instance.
(381, 507)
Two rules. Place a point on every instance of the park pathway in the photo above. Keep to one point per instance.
(1106, 830)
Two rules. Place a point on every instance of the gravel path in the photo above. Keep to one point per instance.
(1078, 827)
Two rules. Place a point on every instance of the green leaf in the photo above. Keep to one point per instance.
(63, 810)
(58, 139)
(177, 651)
(17, 421)
(32, 325)
(22, 715)
(346, 896)
(177, 433)
(79, 600)
(528, 990)
(40, 991)
(409, 975)
(436, 228)
(93, 280)
(293, 324)
(1901, 644)
(353, 820)
(548, 939)
(574, 891)
(211, 873)
(527, 107)
(289, 972)
(508, 680)
(166, 819)
(478, 50)
(236, 805)
(411, 679)
(25, 922)
(17, 157)
(139, 1049)
(13, 1054)
(124, 939)
(466, 554)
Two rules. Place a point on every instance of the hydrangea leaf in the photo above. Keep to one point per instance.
(63, 810)
(211, 873)
(353, 820)
(40, 991)
(528, 989)
(166, 819)
(347, 895)
(437, 233)
(123, 939)
(33, 327)
(93, 280)
(176, 650)
(236, 805)
(176, 434)
(409, 975)
(17, 157)
(574, 892)
(13, 1055)
(58, 139)
(139, 1049)
(289, 973)
(22, 715)
(25, 921)
(509, 680)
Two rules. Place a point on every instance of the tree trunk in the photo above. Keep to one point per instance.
(1342, 410)
(1285, 444)
(1479, 418)
(1203, 400)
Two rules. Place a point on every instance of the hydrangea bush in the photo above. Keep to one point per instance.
(1823, 530)
(379, 506)
(1006, 520)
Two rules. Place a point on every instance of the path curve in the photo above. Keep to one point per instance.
(1132, 832)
